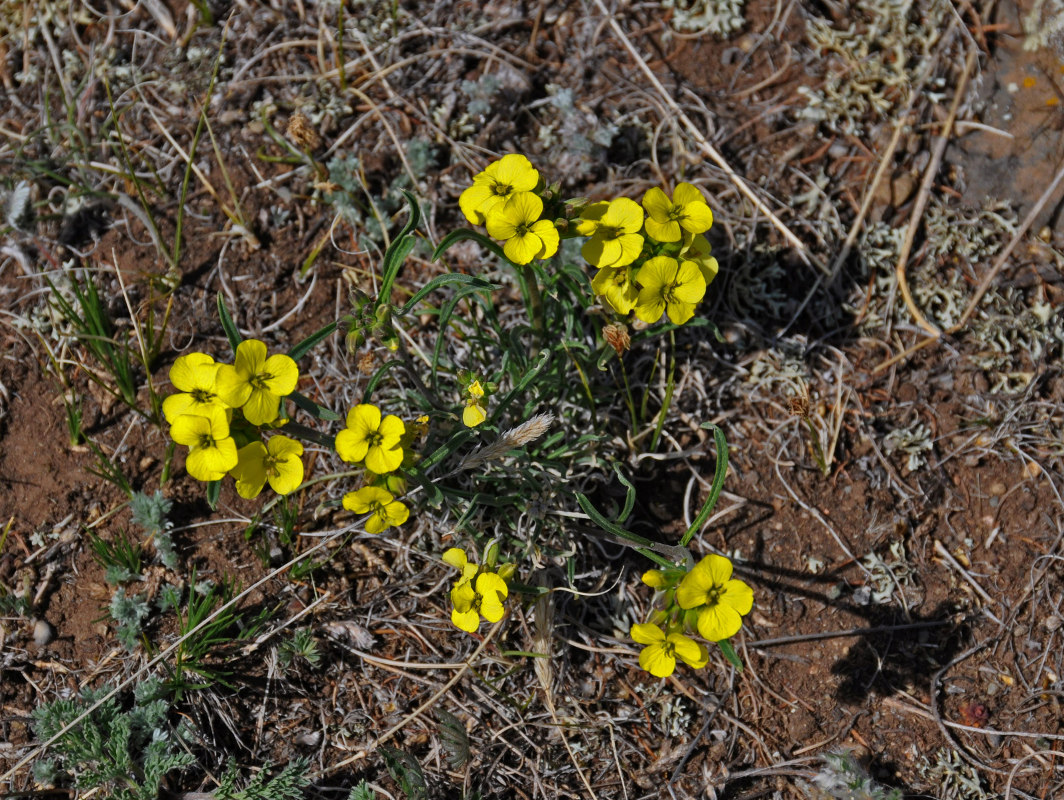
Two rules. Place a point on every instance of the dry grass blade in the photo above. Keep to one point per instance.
(925, 192)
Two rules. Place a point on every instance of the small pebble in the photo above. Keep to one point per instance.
(43, 632)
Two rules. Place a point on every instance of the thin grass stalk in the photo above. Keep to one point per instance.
(670, 388)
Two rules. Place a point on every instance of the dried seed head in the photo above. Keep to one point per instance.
(302, 132)
(515, 437)
(617, 337)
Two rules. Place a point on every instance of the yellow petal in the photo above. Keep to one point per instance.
(284, 374)
(467, 621)
(646, 634)
(657, 660)
(350, 447)
(718, 622)
(473, 415)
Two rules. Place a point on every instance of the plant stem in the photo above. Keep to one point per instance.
(670, 387)
(533, 298)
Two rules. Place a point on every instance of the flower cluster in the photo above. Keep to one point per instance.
(652, 258)
(376, 441)
(479, 590)
(707, 600)
(652, 263)
(504, 199)
(220, 412)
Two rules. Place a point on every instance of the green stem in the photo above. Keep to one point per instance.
(628, 399)
(670, 387)
(534, 298)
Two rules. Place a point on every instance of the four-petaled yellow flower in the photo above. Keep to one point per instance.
(669, 286)
(193, 374)
(256, 383)
(613, 228)
(474, 412)
(720, 600)
(212, 451)
(368, 436)
(495, 185)
(661, 651)
(518, 223)
(278, 461)
(384, 509)
(616, 287)
(667, 220)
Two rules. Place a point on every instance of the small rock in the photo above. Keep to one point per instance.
(43, 632)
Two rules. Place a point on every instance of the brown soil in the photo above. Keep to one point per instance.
(902, 613)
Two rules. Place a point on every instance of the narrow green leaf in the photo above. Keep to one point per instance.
(468, 284)
(231, 333)
(398, 250)
(465, 234)
(304, 346)
(730, 654)
(629, 497)
(610, 527)
(377, 377)
(459, 438)
(312, 408)
(214, 491)
(718, 483)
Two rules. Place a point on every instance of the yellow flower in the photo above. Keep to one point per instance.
(278, 461)
(475, 595)
(661, 651)
(369, 437)
(256, 383)
(194, 375)
(212, 451)
(668, 219)
(720, 600)
(613, 228)
(616, 287)
(697, 248)
(669, 286)
(384, 508)
(518, 223)
(474, 413)
(497, 184)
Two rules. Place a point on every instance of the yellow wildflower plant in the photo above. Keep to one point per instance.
(518, 223)
(616, 287)
(669, 286)
(255, 383)
(474, 412)
(697, 248)
(662, 649)
(384, 510)
(500, 181)
(278, 462)
(193, 375)
(719, 600)
(614, 231)
(212, 451)
(687, 211)
(372, 438)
